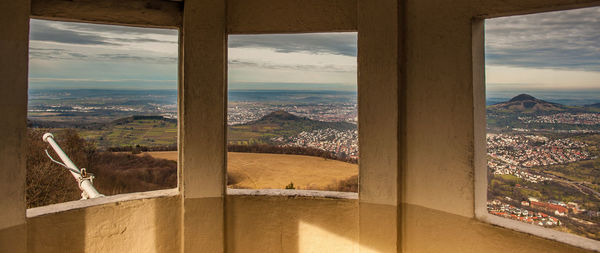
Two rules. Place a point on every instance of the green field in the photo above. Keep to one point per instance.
(143, 132)
(156, 131)
(275, 124)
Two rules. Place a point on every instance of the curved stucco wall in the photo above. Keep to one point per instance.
(291, 224)
(427, 54)
(139, 225)
(253, 224)
(267, 223)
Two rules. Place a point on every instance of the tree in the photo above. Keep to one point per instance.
(290, 186)
(47, 182)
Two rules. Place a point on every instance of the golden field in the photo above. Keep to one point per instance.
(275, 171)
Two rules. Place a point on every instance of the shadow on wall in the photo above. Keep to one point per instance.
(273, 224)
(299, 225)
(13, 239)
(167, 220)
(429, 230)
(143, 225)
(60, 232)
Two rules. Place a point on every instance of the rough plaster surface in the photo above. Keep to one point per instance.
(276, 16)
(14, 34)
(80, 204)
(154, 13)
(439, 113)
(428, 230)
(203, 225)
(145, 225)
(490, 8)
(204, 98)
(202, 137)
(378, 100)
(378, 228)
(378, 107)
(14, 239)
(266, 224)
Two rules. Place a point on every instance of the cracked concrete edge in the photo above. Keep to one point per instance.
(292, 193)
(79, 204)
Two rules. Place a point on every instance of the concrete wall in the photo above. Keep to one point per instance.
(429, 230)
(291, 224)
(254, 224)
(14, 33)
(445, 128)
(379, 123)
(141, 225)
(154, 13)
(268, 224)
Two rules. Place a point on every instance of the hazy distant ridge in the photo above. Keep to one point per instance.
(527, 104)
(285, 119)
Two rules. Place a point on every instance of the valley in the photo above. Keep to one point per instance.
(543, 164)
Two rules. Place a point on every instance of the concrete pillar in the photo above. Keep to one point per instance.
(378, 105)
(14, 38)
(202, 125)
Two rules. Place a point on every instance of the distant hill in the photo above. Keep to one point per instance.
(35, 123)
(525, 103)
(134, 118)
(596, 105)
(278, 123)
(285, 119)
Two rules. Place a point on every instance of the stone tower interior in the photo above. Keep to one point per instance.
(419, 187)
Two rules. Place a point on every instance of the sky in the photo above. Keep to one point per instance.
(547, 51)
(291, 61)
(77, 55)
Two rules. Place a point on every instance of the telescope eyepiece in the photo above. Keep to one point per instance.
(46, 135)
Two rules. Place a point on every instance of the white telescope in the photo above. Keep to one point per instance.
(85, 182)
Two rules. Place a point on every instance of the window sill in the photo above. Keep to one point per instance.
(292, 193)
(547, 233)
(79, 204)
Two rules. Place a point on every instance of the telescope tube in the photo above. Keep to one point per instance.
(84, 183)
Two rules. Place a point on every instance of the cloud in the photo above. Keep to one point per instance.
(559, 40)
(135, 58)
(506, 77)
(142, 40)
(45, 31)
(48, 79)
(65, 54)
(53, 40)
(93, 34)
(54, 54)
(88, 55)
(123, 30)
(320, 43)
(299, 67)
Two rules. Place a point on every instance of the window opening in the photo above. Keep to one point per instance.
(292, 112)
(543, 120)
(108, 94)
